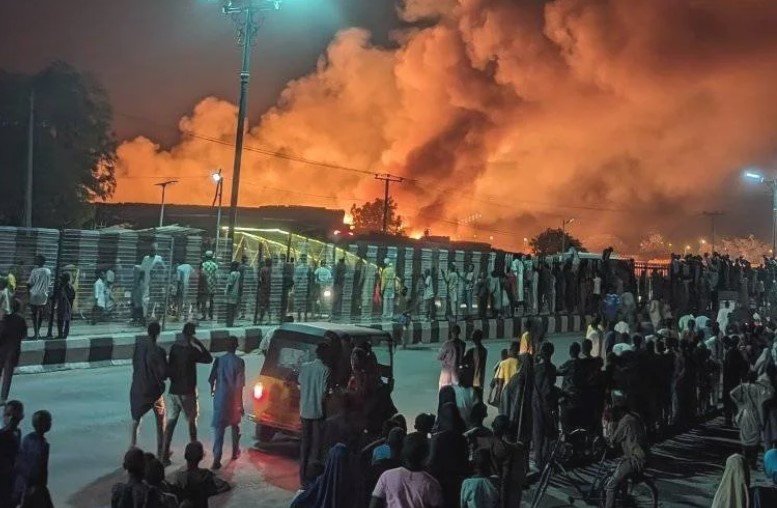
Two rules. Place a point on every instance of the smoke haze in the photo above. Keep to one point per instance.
(623, 114)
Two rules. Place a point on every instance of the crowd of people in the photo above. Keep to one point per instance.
(649, 366)
(628, 381)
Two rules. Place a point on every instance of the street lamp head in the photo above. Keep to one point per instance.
(752, 175)
(216, 176)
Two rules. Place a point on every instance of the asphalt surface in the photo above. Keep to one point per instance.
(91, 433)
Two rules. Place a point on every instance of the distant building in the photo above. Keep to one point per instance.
(306, 220)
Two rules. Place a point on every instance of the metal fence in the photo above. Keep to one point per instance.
(158, 275)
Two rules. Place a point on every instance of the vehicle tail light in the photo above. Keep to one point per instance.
(258, 391)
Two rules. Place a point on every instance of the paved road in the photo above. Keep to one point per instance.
(91, 428)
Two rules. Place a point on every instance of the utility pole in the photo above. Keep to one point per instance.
(30, 142)
(246, 14)
(163, 185)
(564, 224)
(219, 194)
(387, 178)
(713, 215)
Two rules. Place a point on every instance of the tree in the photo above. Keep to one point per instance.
(550, 242)
(368, 218)
(74, 146)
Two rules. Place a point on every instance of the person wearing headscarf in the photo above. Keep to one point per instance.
(448, 457)
(733, 488)
(334, 487)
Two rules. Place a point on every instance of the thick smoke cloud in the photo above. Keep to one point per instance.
(625, 114)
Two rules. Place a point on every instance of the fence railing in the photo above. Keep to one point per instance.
(145, 275)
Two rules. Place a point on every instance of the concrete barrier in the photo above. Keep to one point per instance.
(97, 351)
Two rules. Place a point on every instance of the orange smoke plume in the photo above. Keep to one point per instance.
(622, 113)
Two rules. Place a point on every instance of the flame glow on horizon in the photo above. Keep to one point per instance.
(621, 113)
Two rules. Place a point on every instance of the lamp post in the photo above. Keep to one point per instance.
(163, 185)
(246, 14)
(772, 183)
(219, 194)
(564, 224)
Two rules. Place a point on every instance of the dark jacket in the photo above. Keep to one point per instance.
(14, 330)
(182, 366)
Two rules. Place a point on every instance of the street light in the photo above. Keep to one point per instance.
(219, 180)
(163, 185)
(772, 182)
(247, 16)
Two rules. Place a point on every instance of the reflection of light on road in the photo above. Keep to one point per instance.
(276, 466)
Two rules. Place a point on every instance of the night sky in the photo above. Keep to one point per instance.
(157, 58)
(632, 116)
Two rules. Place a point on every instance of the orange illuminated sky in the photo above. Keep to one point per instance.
(628, 115)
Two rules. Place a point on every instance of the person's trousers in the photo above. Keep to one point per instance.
(622, 471)
(63, 327)
(454, 305)
(310, 445)
(7, 365)
(231, 313)
(542, 440)
(468, 301)
(207, 306)
(97, 314)
(37, 318)
(388, 304)
(218, 441)
(190, 407)
(159, 410)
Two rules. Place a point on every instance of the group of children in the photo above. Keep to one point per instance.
(24, 462)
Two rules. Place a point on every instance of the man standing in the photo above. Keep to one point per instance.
(10, 441)
(208, 272)
(475, 363)
(452, 281)
(244, 270)
(149, 371)
(313, 384)
(469, 287)
(183, 274)
(232, 292)
(227, 379)
(185, 354)
(98, 309)
(14, 330)
(323, 278)
(387, 288)
(339, 283)
(38, 284)
(544, 405)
